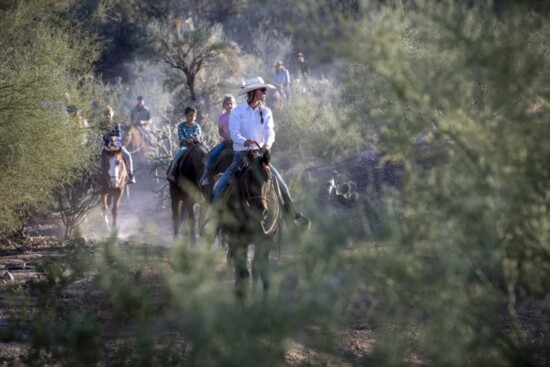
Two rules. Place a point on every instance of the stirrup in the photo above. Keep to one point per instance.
(301, 221)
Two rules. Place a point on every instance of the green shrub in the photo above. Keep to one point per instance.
(41, 62)
(465, 235)
(314, 126)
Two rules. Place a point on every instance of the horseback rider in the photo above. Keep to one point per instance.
(140, 117)
(228, 103)
(251, 124)
(282, 79)
(302, 66)
(188, 132)
(112, 137)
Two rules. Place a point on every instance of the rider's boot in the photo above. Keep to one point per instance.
(299, 220)
(170, 176)
(131, 178)
(204, 180)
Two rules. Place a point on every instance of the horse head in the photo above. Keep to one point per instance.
(257, 181)
(114, 167)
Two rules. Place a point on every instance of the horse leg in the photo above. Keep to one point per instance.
(116, 202)
(239, 257)
(193, 212)
(105, 201)
(176, 214)
(260, 266)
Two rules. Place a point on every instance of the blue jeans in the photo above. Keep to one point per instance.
(177, 157)
(214, 154)
(128, 157)
(223, 182)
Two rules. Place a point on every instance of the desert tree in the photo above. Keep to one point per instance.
(270, 46)
(465, 235)
(41, 60)
(74, 200)
(188, 49)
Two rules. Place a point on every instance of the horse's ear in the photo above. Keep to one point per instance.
(249, 156)
(266, 157)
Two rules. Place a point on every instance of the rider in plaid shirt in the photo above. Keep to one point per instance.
(188, 131)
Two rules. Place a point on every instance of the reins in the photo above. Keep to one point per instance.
(247, 197)
(275, 217)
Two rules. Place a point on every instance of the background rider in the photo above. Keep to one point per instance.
(112, 130)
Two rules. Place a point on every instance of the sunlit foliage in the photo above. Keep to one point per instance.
(41, 61)
(454, 273)
(460, 95)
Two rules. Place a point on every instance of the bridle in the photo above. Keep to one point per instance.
(112, 180)
(248, 197)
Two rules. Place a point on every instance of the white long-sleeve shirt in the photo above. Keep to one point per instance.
(245, 123)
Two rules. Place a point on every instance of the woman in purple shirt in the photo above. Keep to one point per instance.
(228, 103)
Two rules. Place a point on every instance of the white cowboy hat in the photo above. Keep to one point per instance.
(253, 84)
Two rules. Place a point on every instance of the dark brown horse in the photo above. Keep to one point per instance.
(252, 214)
(113, 180)
(275, 99)
(185, 193)
(135, 140)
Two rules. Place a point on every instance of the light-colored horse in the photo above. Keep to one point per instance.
(135, 140)
(114, 177)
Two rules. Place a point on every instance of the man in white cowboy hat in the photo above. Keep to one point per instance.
(251, 123)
